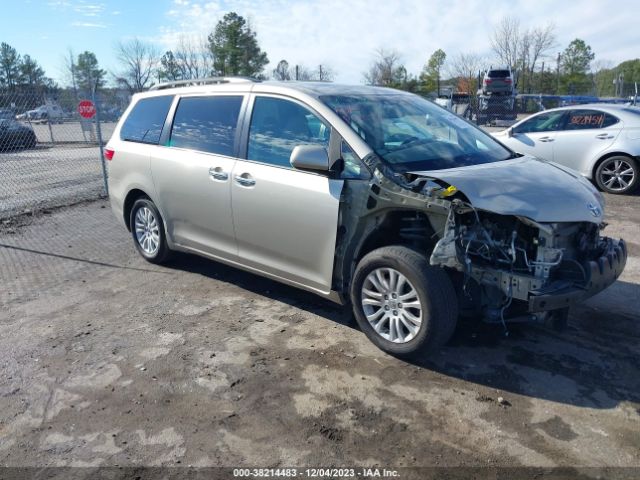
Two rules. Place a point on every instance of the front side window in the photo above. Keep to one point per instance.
(589, 119)
(545, 122)
(278, 126)
(206, 124)
(409, 132)
(146, 119)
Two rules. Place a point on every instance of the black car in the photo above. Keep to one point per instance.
(15, 135)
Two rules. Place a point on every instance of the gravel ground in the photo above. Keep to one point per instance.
(109, 361)
(47, 177)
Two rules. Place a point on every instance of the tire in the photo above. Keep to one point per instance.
(147, 230)
(433, 292)
(618, 174)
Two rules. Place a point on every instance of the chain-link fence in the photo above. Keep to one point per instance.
(49, 155)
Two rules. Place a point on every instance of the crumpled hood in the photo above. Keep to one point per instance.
(528, 187)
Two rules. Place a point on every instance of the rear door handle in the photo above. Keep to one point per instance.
(245, 180)
(218, 174)
(545, 139)
(604, 136)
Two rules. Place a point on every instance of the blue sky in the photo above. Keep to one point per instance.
(341, 33)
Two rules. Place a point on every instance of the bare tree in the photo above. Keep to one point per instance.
(69, 70)
(190, 58)
(206, 57)
(466, 67)
(386, 69)
(505, 41)
(522, 49)
(542, 40)
(139, 61)
(281, 72)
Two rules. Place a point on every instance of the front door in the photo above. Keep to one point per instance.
(536, 136)
(285, 219)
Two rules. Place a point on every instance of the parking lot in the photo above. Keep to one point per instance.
(110, 361)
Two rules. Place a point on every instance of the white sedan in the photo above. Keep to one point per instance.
(602, 142)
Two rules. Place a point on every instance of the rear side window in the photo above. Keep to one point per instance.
(589, 119)
(144, 123)
(207, 124)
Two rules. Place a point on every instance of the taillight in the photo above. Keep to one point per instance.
(507, 80)
(487, 81)
(108, 153)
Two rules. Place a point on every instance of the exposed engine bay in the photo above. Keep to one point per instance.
(506, 260)
(507, 267)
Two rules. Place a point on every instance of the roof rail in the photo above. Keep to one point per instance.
(203, 81)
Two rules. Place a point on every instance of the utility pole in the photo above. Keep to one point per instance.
(297, 73)
(94, 87)
(320, 72)
(558, 75)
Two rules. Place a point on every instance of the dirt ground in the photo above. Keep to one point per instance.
(109, 361)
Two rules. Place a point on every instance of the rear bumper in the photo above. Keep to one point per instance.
(600, 273)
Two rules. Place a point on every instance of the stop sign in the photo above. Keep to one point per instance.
(86, 109)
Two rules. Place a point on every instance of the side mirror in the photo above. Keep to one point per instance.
(310, 157)
(510, 132)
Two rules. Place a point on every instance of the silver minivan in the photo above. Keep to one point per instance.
(367, 196)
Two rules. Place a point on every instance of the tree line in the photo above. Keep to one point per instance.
(232, 49)
(530, 52)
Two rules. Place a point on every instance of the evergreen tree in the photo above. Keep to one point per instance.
(235, 48)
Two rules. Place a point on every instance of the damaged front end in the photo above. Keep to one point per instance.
(515, 251)
(514, 268)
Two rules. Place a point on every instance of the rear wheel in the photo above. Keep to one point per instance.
(405, 306)
(618, 174)
(147, 229)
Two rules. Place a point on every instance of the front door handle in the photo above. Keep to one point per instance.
(218, 174)
(245, 180)
(545, 139)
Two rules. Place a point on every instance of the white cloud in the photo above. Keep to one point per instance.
(88, 25)
(89, 9)
(344, 35)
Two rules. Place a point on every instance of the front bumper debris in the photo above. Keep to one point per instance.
(600, 273)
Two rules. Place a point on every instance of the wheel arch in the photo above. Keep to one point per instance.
(133, 195)
(383, 229)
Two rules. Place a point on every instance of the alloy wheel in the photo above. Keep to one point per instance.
(617, 174)
(147, 231)
(391, 305)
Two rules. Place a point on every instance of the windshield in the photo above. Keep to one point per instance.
(411, 133)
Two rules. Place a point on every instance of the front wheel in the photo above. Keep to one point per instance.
(147, 229)
(405, 306)
(618, 174)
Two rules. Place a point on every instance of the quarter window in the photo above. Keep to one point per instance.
(544, 122)
(144, 123)
(206, 124)
(589, 119)
(278, 126)
(352, 168)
